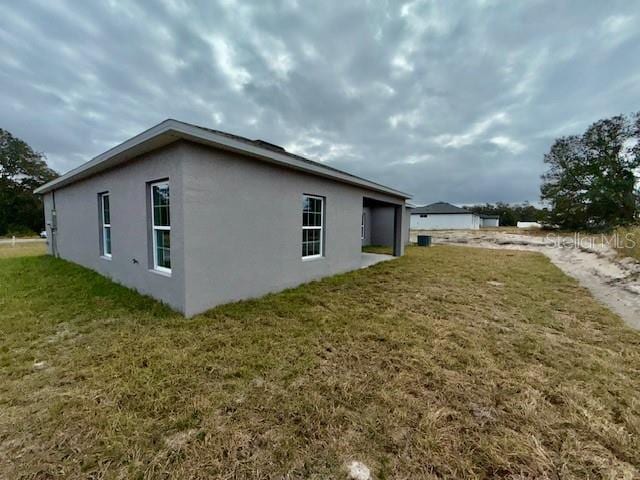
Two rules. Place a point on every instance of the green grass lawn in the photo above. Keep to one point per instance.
(449, 362)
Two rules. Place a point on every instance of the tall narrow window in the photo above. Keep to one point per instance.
(105, 214)
(161, 226)
(312, 226)
(362, 226)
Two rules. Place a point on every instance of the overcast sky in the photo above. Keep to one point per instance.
(454, 101)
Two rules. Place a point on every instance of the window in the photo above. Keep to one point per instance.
(362, 226)
(423, 215)
(105, 220)
(161, 226)
(312, 226)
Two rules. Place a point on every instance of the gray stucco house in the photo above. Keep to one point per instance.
(197, 217)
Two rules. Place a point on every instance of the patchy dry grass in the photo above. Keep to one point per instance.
(449, 362)
(22, 249)
(629, 241)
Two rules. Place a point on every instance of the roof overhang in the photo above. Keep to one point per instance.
(443, 213)
(171, 131)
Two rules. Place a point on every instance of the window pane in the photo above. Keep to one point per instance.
(312, 226)
(161, 216)
(161, 194)
(107, 240)
(106, 211)
(161, 205)
(163, 248)
(311, 242)
(313, 248)
(311, 212)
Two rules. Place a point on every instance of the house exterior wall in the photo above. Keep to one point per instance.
(475, 221)
(367, 226)
(406, 235)
(243, 227)
(236, 225)
(47, 203)
(382, 226)
(529, 225)
(445, 221)
(489, 222)
(79, 230)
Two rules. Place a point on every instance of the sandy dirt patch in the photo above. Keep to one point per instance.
(613, 280)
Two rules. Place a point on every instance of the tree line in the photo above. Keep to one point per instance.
(591, 181)
(511, 214)
(21, 171)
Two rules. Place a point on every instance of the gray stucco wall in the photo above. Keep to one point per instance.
(367, 226)
(78, 236)
(243, 227)
(382, 226)
(47, 201)
(406, 233)
(235, 226)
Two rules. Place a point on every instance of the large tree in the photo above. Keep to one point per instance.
(21, 171)
(591, 180)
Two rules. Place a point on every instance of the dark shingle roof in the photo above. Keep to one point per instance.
(439, 208)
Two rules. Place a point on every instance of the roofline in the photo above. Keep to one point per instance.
(444, 213)
(171, 130)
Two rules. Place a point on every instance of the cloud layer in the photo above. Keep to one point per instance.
(449, 103)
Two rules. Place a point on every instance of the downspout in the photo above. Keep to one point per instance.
(54, 226)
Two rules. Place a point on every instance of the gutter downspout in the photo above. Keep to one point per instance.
(54, 226)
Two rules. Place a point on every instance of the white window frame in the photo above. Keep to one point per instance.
(321, 227)
(362, 226)
(154, 227)
(105, 226)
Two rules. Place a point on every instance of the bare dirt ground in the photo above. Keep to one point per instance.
(613, 280)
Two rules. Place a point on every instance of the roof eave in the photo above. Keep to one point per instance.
(170, 131)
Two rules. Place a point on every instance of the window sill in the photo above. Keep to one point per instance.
(105, 257)
(160, 272)
(311, 259)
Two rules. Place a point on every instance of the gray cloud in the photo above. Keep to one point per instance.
(448, 103)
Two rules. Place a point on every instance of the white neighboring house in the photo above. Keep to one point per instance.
(489, 221)
(529, 225)
(443, 216)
